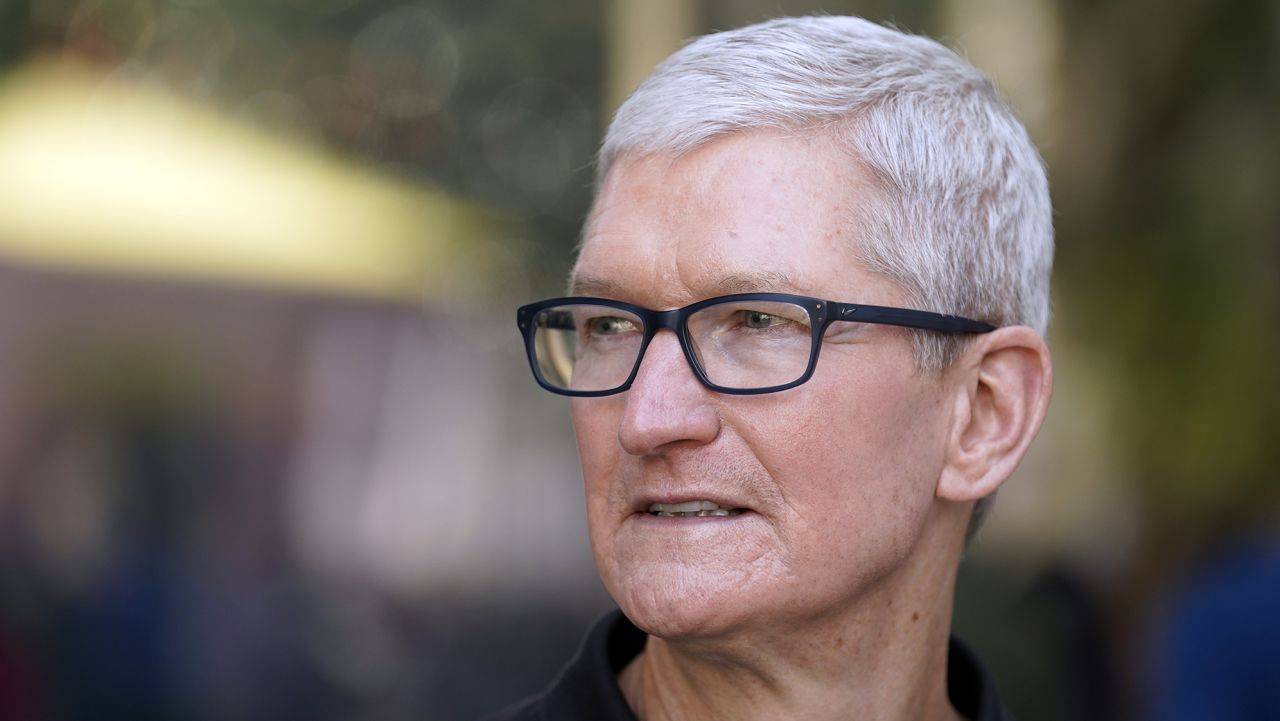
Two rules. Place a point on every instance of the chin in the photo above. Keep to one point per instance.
(679, 603)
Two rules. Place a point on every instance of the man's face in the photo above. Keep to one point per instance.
(837, 475)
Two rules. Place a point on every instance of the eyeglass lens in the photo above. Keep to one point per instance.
(738, 344)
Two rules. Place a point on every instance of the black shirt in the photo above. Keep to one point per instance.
(587, 689)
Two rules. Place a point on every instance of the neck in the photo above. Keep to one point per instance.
(883, 658)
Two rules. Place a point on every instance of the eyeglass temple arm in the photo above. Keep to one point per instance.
(922, 319)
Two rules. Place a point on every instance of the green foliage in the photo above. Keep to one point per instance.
(1169, 256)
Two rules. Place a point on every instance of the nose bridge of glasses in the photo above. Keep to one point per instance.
(656, 320)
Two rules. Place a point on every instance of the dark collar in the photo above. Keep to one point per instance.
(588, 686)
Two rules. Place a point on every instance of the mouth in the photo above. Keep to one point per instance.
(692, 509)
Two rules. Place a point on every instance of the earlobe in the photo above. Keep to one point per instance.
(1001, 396)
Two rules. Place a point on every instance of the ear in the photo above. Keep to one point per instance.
(1001, 389)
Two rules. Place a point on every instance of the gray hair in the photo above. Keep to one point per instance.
(963, 222)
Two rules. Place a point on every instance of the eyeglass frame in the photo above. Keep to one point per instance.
(822, 313)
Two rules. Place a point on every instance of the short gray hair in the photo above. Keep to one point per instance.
(963, 221)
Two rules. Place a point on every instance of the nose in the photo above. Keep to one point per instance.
(666, 403)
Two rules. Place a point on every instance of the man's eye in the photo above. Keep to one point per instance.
(606, 325)
(759, 320)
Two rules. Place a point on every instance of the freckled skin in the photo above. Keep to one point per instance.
(839, 473)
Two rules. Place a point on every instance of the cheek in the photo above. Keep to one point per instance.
(595, 425)
(860, 464)
(892, 437)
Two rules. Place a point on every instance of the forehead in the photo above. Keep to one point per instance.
(751, 211)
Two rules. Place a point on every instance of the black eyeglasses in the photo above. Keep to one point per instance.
(742, 344)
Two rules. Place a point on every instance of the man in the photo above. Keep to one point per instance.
(803, 342)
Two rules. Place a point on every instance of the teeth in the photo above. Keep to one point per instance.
(686, 507)
(692, 508)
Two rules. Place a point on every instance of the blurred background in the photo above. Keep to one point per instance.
(268, 445)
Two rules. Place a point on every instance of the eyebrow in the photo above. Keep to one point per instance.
(748, 282)
(580, 284)
(755, 282)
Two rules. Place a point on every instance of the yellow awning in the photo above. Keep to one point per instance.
(101, 176)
